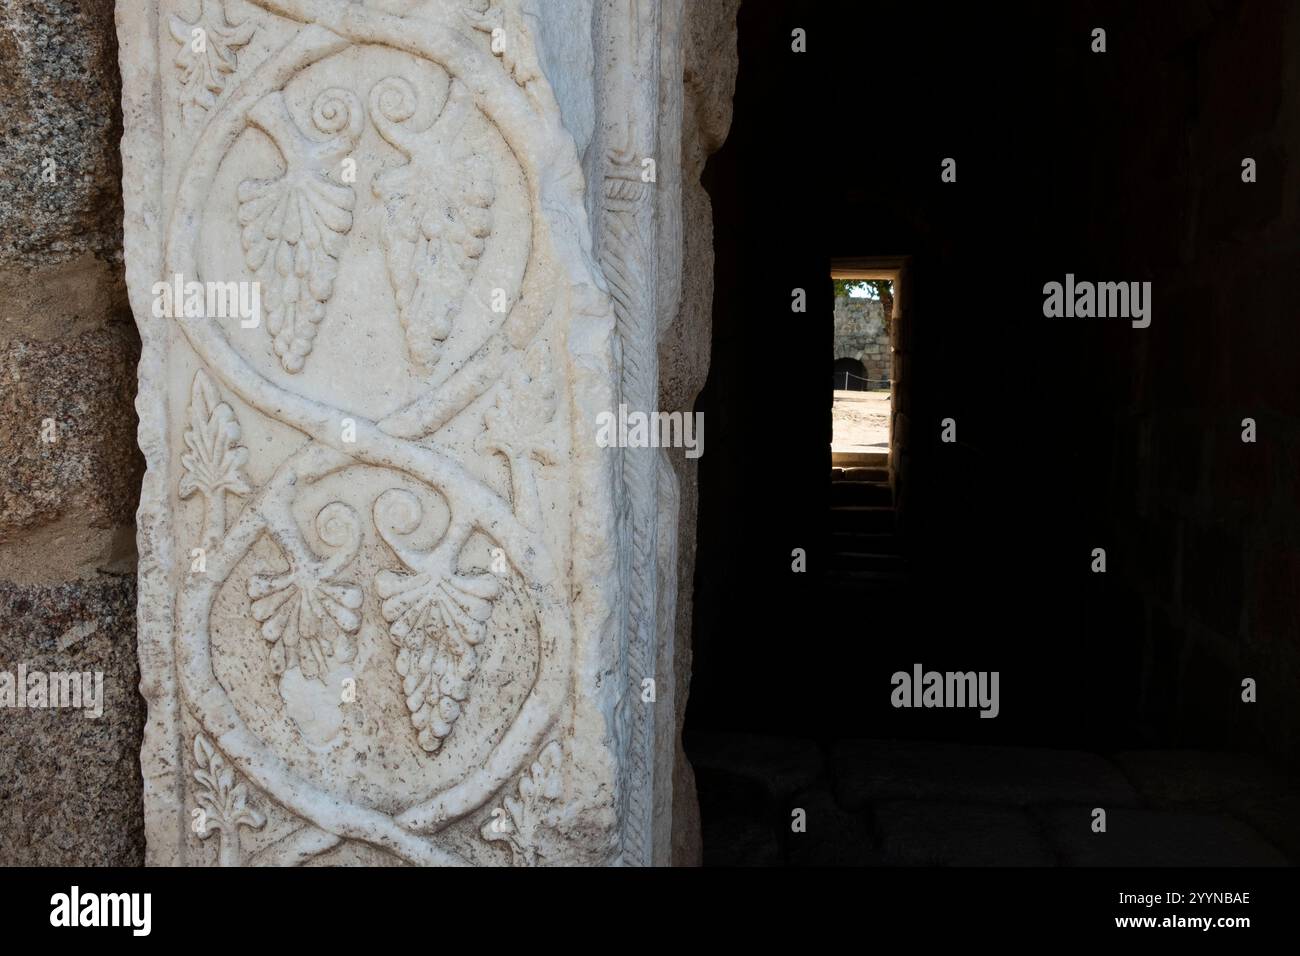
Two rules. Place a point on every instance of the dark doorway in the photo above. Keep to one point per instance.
(849, 374)
(1029, 443)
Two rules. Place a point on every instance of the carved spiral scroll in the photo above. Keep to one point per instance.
(393, 100)
(549, 160)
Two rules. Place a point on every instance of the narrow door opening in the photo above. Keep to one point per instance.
(867, 554)
(863, 368)
(869, 346)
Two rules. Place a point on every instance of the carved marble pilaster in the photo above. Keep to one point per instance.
(396, 602)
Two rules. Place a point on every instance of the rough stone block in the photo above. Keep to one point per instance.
(59, 83)
(70, 785)
(67, 432)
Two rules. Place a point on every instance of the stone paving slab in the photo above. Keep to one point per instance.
(867, 771)
(1155, 838)
(948, 834)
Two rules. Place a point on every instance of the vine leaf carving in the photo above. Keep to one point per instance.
(438, 213)
(436, 621)
(521, 821)
(224, 803)
(214, 462)
(513, 43)
(517, 427)
(207, 55)
(294, 227)
(292, 612)
(305, 611)
(437, 616)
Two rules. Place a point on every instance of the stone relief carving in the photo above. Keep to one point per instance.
(516, 427)
(308, 612)
(223, 804)
(214, 462)
(439, 212)
(521, 822)
(207, 57)
(437, 616)
(294, 226)
(504, 20)
(437, 581)
(630, 233)
(622, 259)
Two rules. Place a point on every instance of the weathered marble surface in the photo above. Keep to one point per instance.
(396, 604)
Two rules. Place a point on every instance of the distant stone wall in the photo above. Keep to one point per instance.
(862, 333)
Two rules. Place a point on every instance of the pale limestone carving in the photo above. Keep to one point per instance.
(437, 596)
(526, 821)
(294, 225)
(213, 463)
(505, 20)
(223, 804)
(207, 57)
(630, 233)
(518, 428)
(439, 212)
(437, 616)
(308, 612)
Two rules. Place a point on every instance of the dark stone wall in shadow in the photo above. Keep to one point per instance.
(1120, 166)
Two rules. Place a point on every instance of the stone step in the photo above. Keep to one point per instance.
(870, 519)
(884, 582)
(843, 542)
(860, 493)
(862, 459)
(860, 561)
(860, 474)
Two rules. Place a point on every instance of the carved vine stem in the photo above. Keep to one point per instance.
(550, 163)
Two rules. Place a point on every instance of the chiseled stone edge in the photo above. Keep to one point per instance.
(161, 760)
